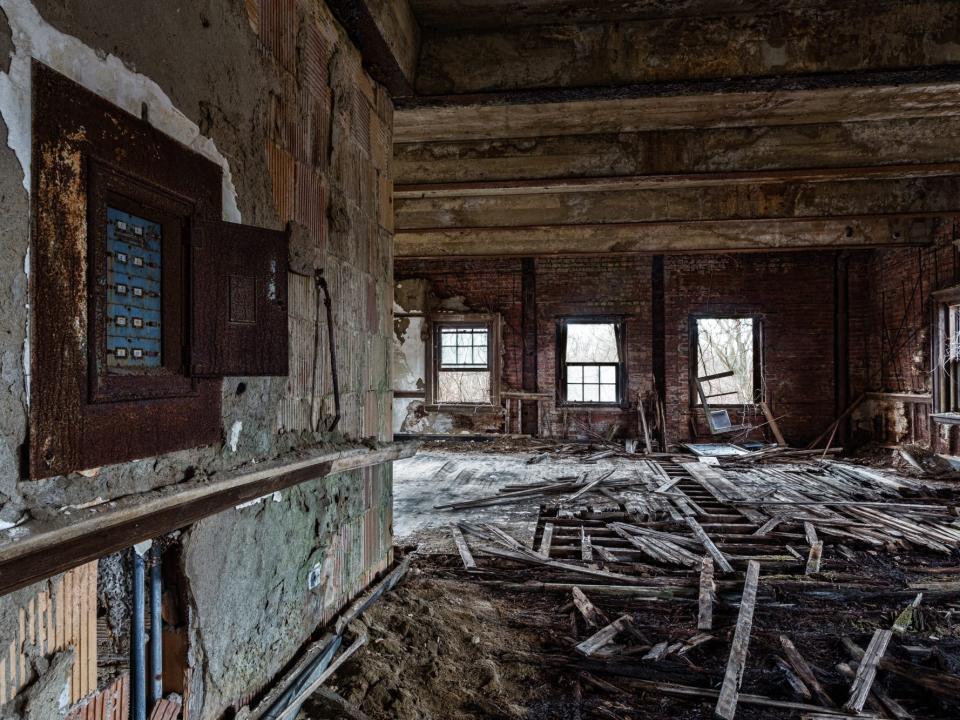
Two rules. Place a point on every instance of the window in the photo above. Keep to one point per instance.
(946, 375)
(464, 361)
(727, 351)
(591, 369)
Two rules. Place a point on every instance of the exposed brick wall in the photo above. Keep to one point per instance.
(493, 286)
(564, 286)
(893, 296)
(595, 286)
(793, 294)
(802, 299)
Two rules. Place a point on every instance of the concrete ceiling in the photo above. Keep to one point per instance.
(478, 15)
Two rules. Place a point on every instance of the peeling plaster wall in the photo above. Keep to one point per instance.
(274, 92)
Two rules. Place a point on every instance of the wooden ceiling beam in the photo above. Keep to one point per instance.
(668, 107)
(670, 237)
(549, 186)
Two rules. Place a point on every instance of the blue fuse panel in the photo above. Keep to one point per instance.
(133, 290)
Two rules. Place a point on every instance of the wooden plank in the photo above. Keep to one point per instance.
(878, 702)
(546, 539)
(813, 559)
(603, 637)
(718, 557)
(867, 671)
(772, 422)
(905, 618)
(727, 701)
(805, 672)
(740, 235)
(471, 121)
(769, 526)
(586, 546)
(290, 712)
(799, 688)
(98, 531)
(463, 548)
(591, 614)
(708, 591)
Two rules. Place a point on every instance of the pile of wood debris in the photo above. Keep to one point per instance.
(775, 584)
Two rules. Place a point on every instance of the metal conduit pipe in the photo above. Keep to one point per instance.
(138, 670)
(156, 627)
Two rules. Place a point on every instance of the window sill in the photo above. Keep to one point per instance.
(592, 406)
(946, 418)
(440, 407)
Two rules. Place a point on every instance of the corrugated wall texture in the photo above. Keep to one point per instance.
(328, 156)
(327, 149)
(111, 703)
(62, 613)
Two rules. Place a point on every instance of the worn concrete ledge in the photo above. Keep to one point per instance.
(37, 550)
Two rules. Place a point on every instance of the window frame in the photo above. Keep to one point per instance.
(694, 364)
(437, 323)
(946, 377)
(620, 332)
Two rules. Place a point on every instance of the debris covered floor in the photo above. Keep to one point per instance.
(651, 585)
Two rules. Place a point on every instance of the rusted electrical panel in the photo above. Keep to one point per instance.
(143, 298)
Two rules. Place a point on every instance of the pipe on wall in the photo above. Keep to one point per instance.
(138, 670)
(156, 627)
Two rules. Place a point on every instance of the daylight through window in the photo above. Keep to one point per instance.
(592, 360)
(727, 345)
(463, 370)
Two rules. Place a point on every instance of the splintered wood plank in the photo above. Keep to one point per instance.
(813, 559)
(707, 592)
(546, 539)
(799, 688)
(727, 702)
(860, 688)
(810, 532)
(905, 619)
(774, 426)
(463, 548)
(768, 526)
(586, 547)
(603, 637)
(593, 616)
(718, 557)
(805, 672)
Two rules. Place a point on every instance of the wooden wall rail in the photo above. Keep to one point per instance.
(42, 550)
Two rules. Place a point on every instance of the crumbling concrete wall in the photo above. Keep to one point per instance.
(275, 93)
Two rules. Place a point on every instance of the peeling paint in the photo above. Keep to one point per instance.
(34, 38)
(235, 435)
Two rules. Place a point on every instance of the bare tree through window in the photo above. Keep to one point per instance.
(463, 373)
(727, 344)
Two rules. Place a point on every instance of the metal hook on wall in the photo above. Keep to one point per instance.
(321, 284)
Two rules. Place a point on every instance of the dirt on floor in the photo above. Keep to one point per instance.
(435, 652)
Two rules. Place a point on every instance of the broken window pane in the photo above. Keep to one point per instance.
(592, 343)
(462, 386)
(726, 345)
